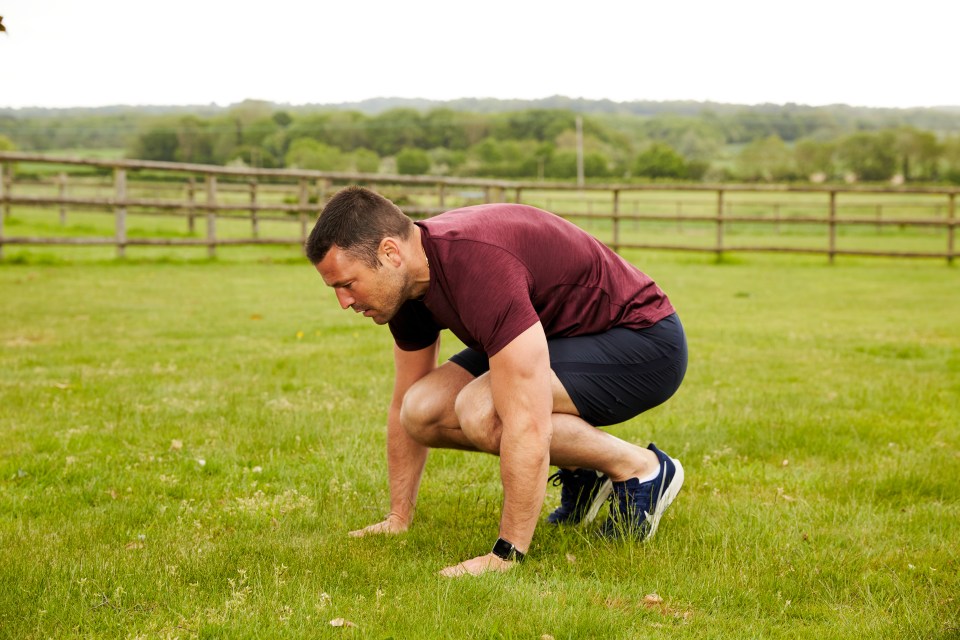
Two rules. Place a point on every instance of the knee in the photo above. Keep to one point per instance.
(421, 413)
(478, 419)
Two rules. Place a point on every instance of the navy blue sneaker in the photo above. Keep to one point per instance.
(582, 493)
(637, 507)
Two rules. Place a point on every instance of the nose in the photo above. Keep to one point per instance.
(344, 298)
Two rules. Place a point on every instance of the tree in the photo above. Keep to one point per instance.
(194, 141)
(767, 159)
(446, 161)
(158, 143)
(659, 160)
(814, 157)
(445, 128)
(562, 164)
(869, 156)
(533, 124)
(395, 129)
(366, 161)
(412, 162)
(919, 153)
(951, 159)
(310, 154)
(255, 132)
(6, 144)
(347, 130)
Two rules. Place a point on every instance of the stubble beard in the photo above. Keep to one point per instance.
(397, 296)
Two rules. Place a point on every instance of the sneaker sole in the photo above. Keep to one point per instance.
(666, 498)
(602, 494)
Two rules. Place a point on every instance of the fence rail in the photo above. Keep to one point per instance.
(214, 194)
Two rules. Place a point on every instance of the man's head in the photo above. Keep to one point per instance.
(357, 220)
(360, 246)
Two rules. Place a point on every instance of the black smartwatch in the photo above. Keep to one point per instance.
(506, 551)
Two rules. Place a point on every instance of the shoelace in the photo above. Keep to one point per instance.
(556, 479)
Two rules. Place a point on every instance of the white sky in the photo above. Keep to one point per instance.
(61, 53)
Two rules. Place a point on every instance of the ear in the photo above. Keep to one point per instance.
(390, 252)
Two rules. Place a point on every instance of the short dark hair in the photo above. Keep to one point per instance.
(356, 220)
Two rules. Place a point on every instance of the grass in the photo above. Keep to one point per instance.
(184, 445)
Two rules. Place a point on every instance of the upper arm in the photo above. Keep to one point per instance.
(493, 296)
(520, 376)
(410, 366)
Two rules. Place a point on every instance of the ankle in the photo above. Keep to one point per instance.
(645, 466)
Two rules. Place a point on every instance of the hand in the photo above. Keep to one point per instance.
(477, 566)
(392, 525)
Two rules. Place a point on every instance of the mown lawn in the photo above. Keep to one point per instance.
(184, 445)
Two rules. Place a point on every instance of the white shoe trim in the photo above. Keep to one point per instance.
(602, 494)
(667, 495)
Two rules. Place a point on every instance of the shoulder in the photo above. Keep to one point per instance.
(482, 221)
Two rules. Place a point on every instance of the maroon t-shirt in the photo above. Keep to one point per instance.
(496, 269)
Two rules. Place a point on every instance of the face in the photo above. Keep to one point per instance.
(376, 293)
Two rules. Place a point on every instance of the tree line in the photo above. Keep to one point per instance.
(765, 143)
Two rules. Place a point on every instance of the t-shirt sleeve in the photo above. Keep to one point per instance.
(494, 298)
(413, 327)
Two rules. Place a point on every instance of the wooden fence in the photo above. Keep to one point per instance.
(214, 193)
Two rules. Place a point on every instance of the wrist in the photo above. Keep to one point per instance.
(399, 519)
(505, 550)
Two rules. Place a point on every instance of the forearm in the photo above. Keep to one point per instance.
(405, 462)
(406, 457)
(520, 384)
(524, 465)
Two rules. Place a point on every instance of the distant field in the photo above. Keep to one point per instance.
(185, 443)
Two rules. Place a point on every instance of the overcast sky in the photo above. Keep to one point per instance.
(60, 53)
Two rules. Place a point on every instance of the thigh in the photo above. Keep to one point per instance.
(430, 400)
(479, 390)
(614, 376)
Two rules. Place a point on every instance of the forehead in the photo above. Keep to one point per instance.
(339, 267)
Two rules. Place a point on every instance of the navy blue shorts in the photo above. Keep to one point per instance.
(613, 376)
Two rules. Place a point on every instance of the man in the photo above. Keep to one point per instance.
(562, 336)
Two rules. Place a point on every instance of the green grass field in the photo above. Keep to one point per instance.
(184, 445)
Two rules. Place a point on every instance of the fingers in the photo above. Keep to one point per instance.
(388, 526)
(477, 566)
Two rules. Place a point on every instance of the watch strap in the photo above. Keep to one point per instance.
(505, 550)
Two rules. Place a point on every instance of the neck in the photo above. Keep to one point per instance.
(420, 265)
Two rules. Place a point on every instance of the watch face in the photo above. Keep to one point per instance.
(506, 551)
(503, 549)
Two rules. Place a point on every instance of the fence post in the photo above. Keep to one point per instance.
(879, 217)
(304, 203)
(211, 216)
(616, 221)
(951, 226)
(776, 217)
(191, 198)
(254, 223)
(120, 208)
(323, 185)
(62, 192)
(7, 188)
(719, 249)
(519, 190)
(832, 226)
(3, 193)
(442, 195)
